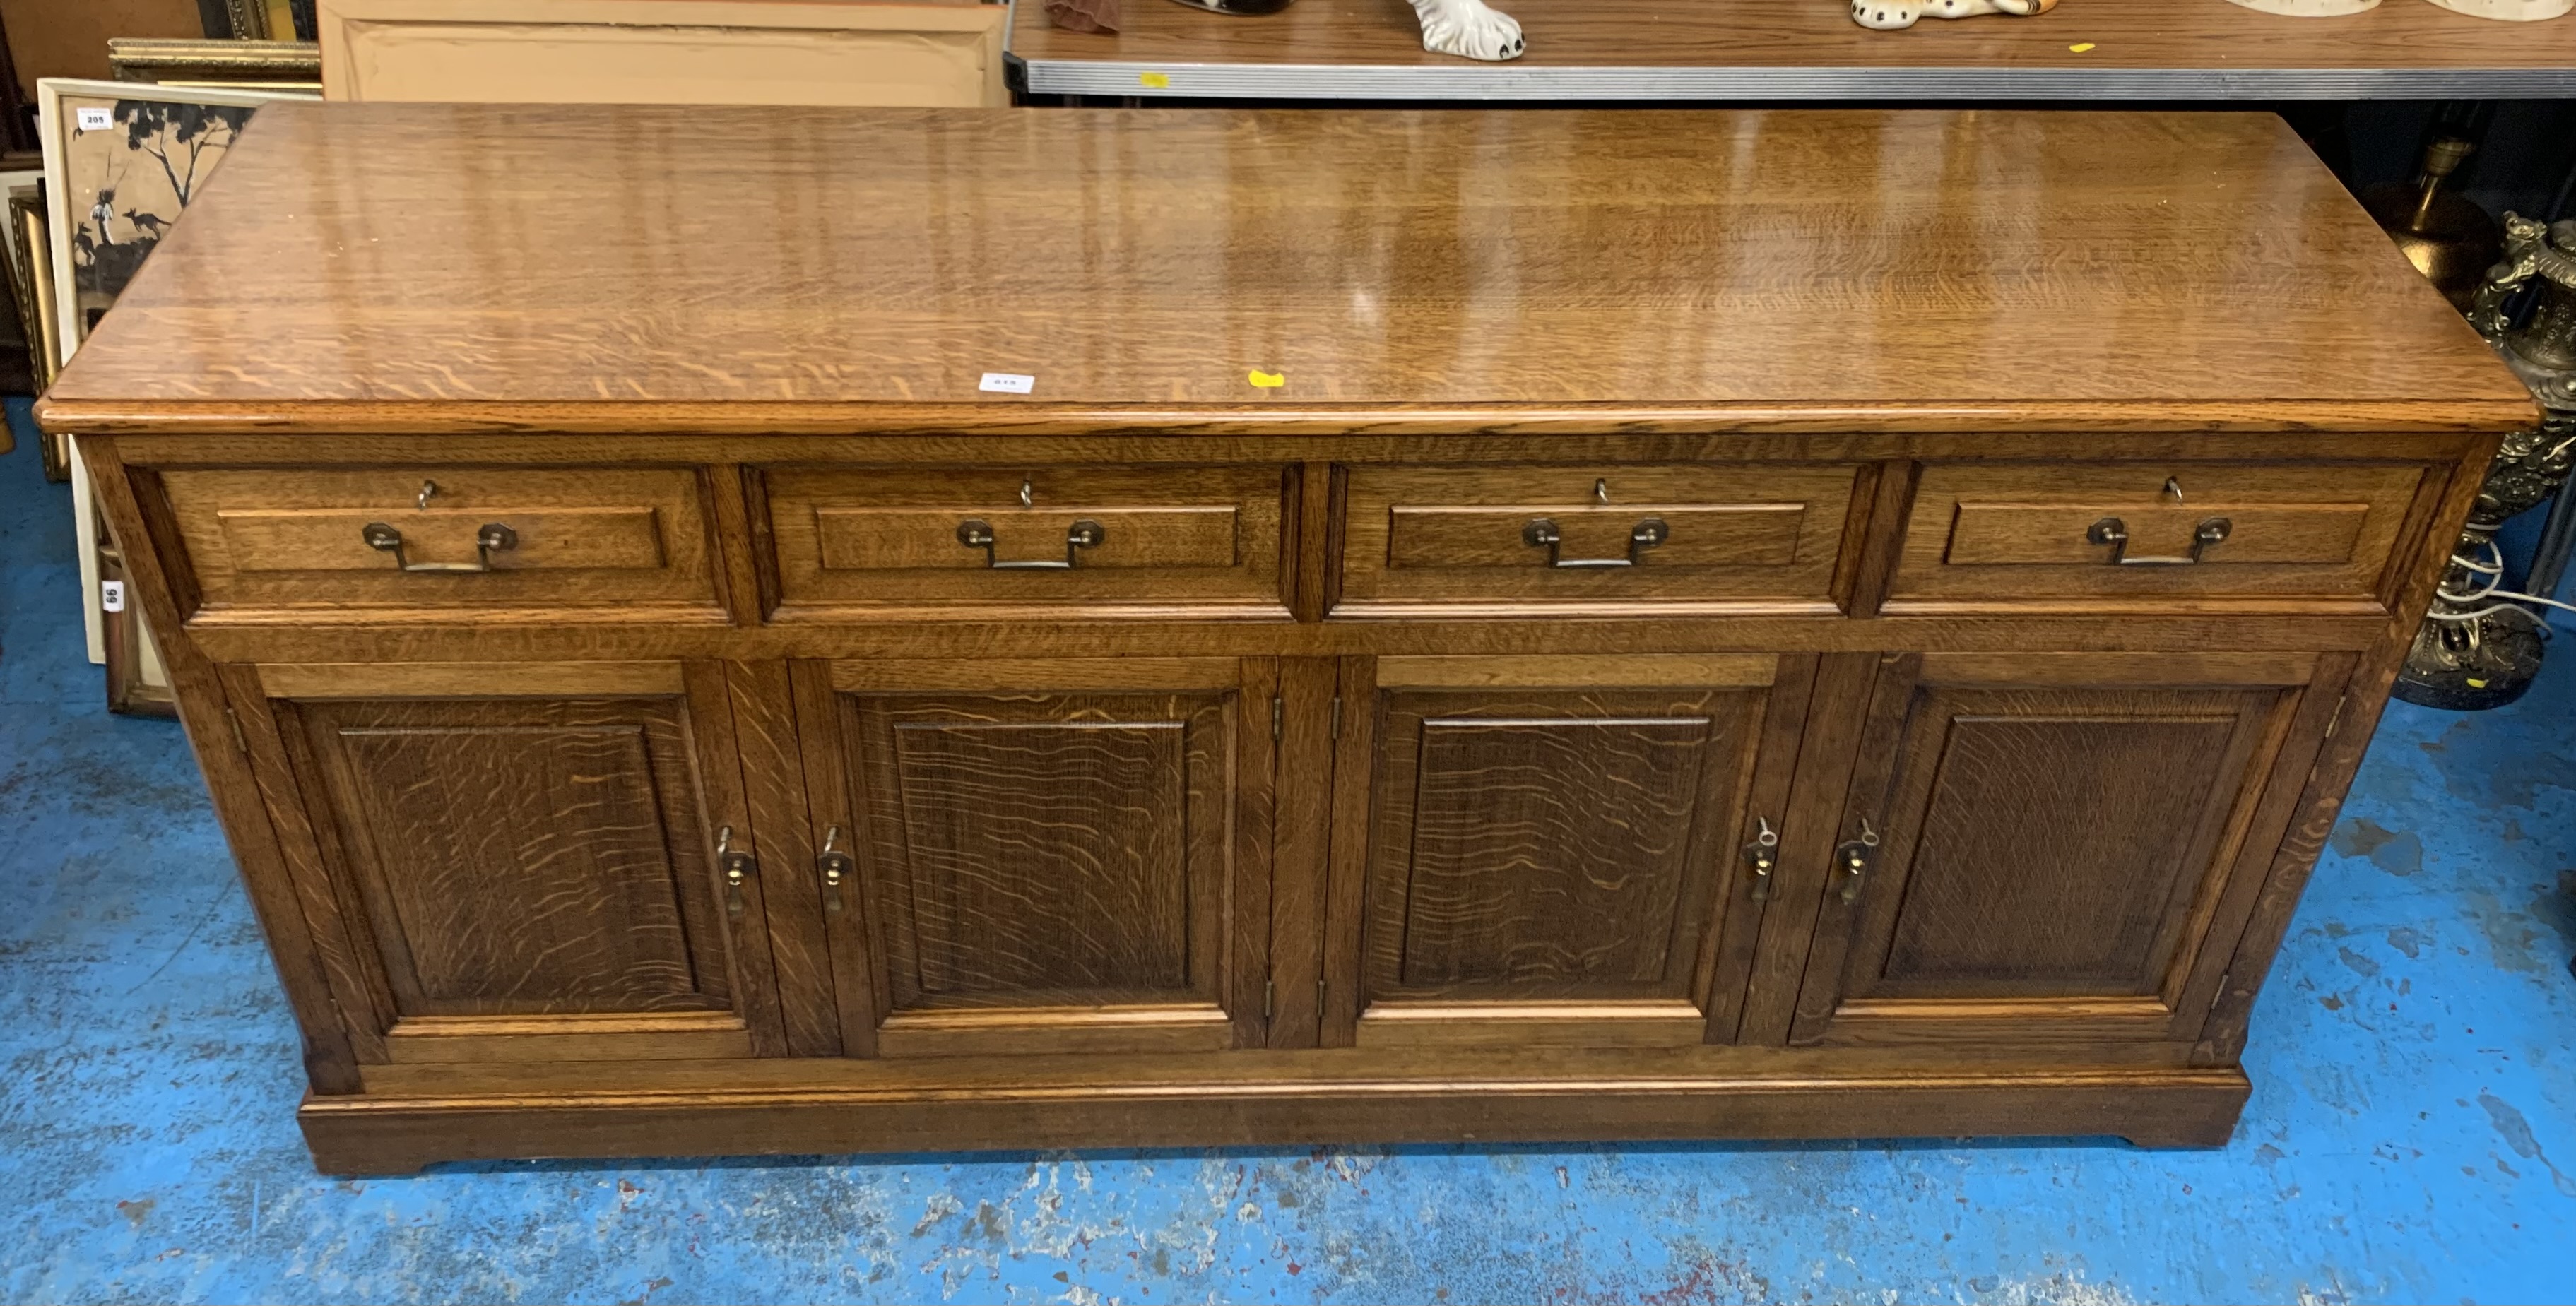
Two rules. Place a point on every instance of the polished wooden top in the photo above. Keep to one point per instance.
(2211, 34)
(627, 267)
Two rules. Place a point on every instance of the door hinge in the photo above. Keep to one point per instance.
(241, 739)
(1278, 715)
(1337, 717)
(1269, 998)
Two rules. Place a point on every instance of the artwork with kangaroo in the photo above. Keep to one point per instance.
(126, 181)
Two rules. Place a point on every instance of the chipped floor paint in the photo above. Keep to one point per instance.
(2412, 1134)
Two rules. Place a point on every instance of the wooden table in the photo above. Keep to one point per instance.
(1667, 50)
(1477, 626)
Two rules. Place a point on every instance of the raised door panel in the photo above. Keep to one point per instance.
(529, 877)
(1063, 856)
(2043, 846)
(1548, 855)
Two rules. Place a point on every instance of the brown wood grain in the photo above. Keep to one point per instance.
(774, 785)
(315, 680)
(1456, 1100)
(351, 1008)
(663, 1036)
(1239, 837)
(862, 538)
(1029, 853)
(1537, 850)
(590, 537)
(2015, 533)
(1746, 900)
(414, 257)
(1300, 884)
(574, 888)
(1799, 34)
(2347, 738)
(717, 771)
(858, 972)
(1420, 537)
(2045, 845)
(332, 539)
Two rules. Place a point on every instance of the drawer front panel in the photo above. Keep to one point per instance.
(1594, 535)
(1996, 534)
(335, 539)
(962, 539)
(482, 538)
(916, 539)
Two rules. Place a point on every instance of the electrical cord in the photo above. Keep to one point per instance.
(2490, 586)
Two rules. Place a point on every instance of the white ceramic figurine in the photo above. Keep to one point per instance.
(2511, 11)
(1468, 27)
(1889, 15)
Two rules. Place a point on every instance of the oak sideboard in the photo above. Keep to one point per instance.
(793, 631)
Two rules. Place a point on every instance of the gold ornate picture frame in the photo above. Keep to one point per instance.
(291, 66)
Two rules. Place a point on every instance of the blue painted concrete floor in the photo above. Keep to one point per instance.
(2412, 1134)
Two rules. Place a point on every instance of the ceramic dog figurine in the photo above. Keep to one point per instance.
(1468, 27)
(1890, 15)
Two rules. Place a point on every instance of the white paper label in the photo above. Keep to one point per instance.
(1008, 383)
(111, 596)
(96, 120)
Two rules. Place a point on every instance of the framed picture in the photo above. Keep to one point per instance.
(268, 20)
(249, 65)
(31, 280)
(812, 52)
(21, 333)
(122, 159)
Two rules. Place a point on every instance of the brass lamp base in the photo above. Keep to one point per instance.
(2470, 666)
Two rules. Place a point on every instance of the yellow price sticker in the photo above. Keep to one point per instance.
(1156, 81)
(1268, 380)
(2081, 46)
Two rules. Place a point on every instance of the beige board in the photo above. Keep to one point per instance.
(664, 52)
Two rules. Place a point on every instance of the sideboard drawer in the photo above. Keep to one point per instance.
(969, 540)
(444, 538)
(1578, 535)
(1985, 534)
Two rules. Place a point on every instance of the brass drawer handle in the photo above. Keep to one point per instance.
(977, 533)
(2115, 532)
(837, 867)
(737, 866)
(1542, 533)
(1762, 855)
(492, 538)
(1851, 857)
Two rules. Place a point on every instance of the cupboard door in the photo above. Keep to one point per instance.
(1548, 850)
(522, 862)
(1057, 856)
(2065, 845)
